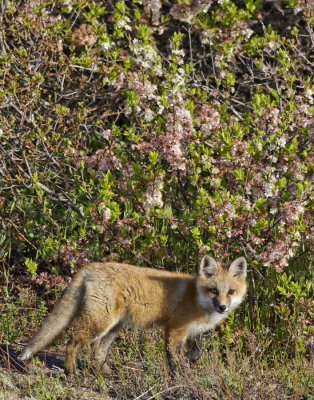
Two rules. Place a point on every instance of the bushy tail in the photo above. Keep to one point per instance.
(62, 314)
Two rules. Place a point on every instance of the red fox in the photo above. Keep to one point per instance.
(110, 296)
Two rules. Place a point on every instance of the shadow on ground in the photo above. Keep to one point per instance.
(9, 360)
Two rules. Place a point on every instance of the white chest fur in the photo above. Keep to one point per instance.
(208, 323)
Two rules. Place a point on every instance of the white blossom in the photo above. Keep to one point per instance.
(123, 23)
(309, 94)
(282, 141)
(106, 45)
(149, 115)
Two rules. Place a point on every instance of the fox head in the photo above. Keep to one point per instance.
(221, 287)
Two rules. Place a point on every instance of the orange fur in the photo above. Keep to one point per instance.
(111, 296)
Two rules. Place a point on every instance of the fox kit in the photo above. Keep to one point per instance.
(111, 296)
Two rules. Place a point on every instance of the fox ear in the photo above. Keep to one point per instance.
(208, 266)
(238, 267)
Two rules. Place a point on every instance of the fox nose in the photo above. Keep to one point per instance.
(222, 308)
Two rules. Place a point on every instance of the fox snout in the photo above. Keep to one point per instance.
(221, 308)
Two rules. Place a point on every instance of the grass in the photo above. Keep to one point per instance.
(140, 373)
(252, 367)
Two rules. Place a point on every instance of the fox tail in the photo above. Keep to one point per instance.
(63, 313)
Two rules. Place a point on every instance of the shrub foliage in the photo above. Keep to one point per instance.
(154, 132)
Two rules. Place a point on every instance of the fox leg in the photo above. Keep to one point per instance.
(175, 341)
(87, 329)
(194, 349)
(102, 347)
(72, 349)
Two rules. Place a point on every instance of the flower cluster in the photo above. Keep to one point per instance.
(84, 36)
(50, 281)
(186, 12)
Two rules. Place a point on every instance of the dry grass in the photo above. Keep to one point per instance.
(139, 372)
(139, 369)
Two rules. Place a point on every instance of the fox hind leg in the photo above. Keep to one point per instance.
(72, 349)
(102, 346)
(107, 332)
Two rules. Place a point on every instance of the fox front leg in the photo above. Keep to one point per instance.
(175, 342)
(194, 349)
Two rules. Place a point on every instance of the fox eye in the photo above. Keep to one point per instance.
(231, 291)
(212, 290)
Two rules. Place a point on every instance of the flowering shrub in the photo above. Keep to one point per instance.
(153, 133)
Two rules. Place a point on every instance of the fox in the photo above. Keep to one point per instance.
(106, 297)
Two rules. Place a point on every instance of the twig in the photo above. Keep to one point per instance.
(104, 115)
(23, 236)
(164, 391)
(212, 57)
(7, 357)
(56, 196)
(141, 395)
(191, 51)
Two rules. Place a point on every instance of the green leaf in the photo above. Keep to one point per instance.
(31, 266)
(260, 204)
(153, 157)
(239, 174)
